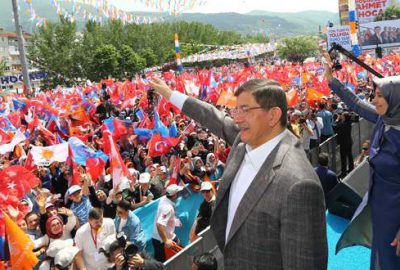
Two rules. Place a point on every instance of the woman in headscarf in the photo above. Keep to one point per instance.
(214, 167)
(376, 223)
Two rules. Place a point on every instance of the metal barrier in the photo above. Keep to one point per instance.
(360, 132)
(206, 242)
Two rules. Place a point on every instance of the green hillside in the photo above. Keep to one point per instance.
(256, 22)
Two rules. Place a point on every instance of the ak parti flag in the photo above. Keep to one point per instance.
(314, 95)
(227, 99)
(21, 246)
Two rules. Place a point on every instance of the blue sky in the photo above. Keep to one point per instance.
(240, 6)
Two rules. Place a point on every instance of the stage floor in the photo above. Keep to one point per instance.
(352, 258)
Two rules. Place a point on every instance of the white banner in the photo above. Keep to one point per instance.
(339, 35)
(367, 10)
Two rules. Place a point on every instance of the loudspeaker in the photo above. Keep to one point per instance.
(347, 195)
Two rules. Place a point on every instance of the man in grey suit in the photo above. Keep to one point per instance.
(270, 211)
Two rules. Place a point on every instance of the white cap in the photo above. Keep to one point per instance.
(107, 178)
(73, 189)
(144, 178)
(173, 189)
(48, 205)
(163, 169)
(206, 186)
(66, 256)
(133, 171)
(124, 184)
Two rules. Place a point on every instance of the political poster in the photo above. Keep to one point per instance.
(367, 10)
(383, 34)
(339, 35)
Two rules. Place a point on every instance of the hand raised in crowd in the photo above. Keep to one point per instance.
(327, 64)
(161, 87)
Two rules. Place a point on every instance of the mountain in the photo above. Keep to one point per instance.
(255, 22)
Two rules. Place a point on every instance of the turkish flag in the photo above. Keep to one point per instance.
(16, 181)
(4, 137)
(161, 145)
(95, 167)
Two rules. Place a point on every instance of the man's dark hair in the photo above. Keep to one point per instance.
(95, 213)
(323, 159)
(31, 213)
(124, 204)
(267, 93)
(205, 261)
(322, 105)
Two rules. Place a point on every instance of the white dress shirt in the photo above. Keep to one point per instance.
(251, 164)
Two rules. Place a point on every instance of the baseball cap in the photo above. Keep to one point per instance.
(173, 189)
(144, 178)
(163, 169)
(65, 256)
(107, 178)
(73, 189)
(206, 186)
(124, 184)
(48, 205)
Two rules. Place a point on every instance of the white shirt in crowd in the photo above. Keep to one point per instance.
(90, 247)
(252, 162)
(166, 217)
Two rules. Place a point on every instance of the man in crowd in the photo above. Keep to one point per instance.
(270, 210)
(327, 177)
(327, 119)
(165, 222)
(89, 238)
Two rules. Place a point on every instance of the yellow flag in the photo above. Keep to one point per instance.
(21, 246)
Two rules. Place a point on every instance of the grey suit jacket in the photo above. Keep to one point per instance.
(280, 221)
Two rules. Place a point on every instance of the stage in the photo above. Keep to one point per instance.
(352, 258)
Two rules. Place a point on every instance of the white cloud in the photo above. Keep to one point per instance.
(240, 6)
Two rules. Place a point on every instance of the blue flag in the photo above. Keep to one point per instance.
(82, 152)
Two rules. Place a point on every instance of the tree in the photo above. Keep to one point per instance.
(104, 63)
(3, 66)
(297, 49)
(54, 48)
(391, 13)
(149, 56)
(131, 62)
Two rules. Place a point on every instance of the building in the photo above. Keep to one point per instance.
(10, 54)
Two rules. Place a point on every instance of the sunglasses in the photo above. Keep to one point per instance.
(205, 191)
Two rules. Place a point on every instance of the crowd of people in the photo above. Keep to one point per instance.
(78, 216)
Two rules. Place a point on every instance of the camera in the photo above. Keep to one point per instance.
(130, 249)
(302, 121)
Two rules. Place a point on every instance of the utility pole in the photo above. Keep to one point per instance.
(21, 48)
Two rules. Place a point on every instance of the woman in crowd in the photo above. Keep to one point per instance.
(380, 206)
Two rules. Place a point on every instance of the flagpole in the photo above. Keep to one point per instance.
(21, 48)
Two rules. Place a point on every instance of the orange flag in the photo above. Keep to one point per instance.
(292, 98)
(21, 246)
(227, 99)
(314, 95)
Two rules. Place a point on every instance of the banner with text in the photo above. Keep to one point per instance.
(367, 10)
(383, 34)
(339, 35)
